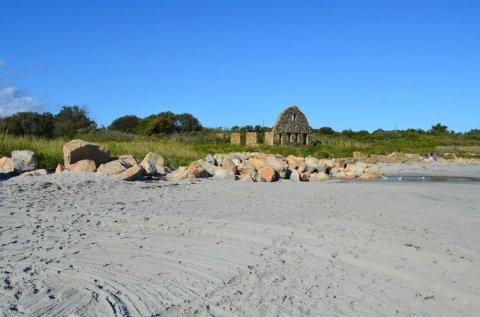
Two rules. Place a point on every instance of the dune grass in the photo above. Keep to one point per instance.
(181, 149)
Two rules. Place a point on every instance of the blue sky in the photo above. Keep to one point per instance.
(346, 64)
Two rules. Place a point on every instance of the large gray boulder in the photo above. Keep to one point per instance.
(24, 161)
(78, 150)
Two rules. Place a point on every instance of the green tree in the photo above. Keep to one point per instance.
(326, 130)
(438, 129)
(186, 122)
(127, 124)
(29, 123)
(72, 120)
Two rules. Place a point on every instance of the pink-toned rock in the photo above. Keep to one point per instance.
(258, 163)
(228, 164)
(340, 164)
(7, 165)
(87, 166)
(197, 170)
(268, 173)
(60, 168)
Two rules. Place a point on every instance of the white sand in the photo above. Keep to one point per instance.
(85, 245)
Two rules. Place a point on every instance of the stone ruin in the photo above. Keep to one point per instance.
(291, 127)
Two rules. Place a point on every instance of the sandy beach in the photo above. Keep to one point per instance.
(89, 245)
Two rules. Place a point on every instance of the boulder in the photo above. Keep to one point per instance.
(304, 177)
(257, 162)
(228, 164)
(334, 171)
(128, 160)
(208, 167)
(311, 161)
(247, 178)
(246, 168)
(181, 174)
(319, 177)
(78, 150)
(59, 169)
(131, 174)
(113, 167)
(163, 170)
(151, 163)
(197, 170)
(350, 175)
(235, 159)
(356, 168)
(373, 170)
(295, 176)
(211, 160)
(83, 166)
(224, 174)
(219, 158)
(24, 161)
(294, 162)
(7, 166)
(275, 163)
(39, 172)
(268, 173)
(257, 177)
(321, 168)
(340, 164)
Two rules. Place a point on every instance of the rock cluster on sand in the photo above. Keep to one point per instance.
(86, 157)
(261, 167)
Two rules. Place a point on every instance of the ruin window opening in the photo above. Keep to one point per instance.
(294, 116)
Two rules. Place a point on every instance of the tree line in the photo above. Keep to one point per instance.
(75, 120)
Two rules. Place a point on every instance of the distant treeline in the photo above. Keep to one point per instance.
(74, 120)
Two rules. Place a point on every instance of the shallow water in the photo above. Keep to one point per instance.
(447, 179)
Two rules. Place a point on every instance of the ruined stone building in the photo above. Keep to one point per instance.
(291, 127)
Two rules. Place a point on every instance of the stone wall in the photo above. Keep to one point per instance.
(251, 139)
(235, 138)
(268, 138)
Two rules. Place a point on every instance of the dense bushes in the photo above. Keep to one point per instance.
(74, 120)
(70, 121)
